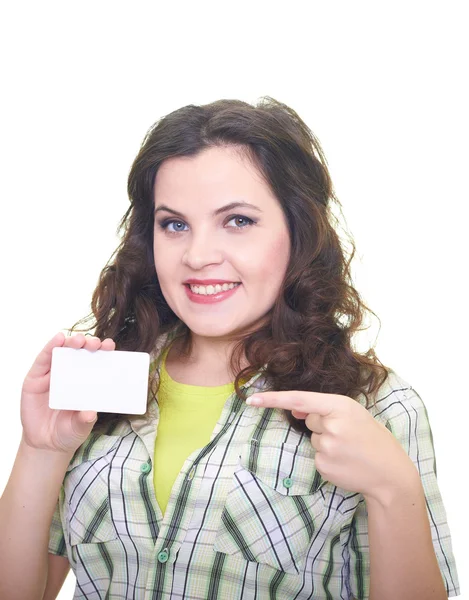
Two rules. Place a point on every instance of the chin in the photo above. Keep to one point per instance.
(212, 332)
(214, 329)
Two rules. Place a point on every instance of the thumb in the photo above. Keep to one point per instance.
(88, 416)
(299, 415)
(82, 422)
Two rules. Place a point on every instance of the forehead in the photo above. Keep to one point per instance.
(214, 171)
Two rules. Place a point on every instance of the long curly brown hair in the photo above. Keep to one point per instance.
(306, 339)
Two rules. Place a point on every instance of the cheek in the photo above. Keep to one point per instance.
(163, 265)
(276, 257)
(269, 261)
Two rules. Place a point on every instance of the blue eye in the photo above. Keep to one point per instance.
(164, 225)
(241, 218)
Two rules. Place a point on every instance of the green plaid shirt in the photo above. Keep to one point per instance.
(249, 516)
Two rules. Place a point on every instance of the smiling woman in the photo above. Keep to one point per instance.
(231, 273)
(250, 250)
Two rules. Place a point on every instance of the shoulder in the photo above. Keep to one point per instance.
(399, 407)
(390, 397)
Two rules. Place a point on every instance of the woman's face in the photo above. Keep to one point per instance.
(204, 242)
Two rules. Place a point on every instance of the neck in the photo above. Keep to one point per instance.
(208, 362)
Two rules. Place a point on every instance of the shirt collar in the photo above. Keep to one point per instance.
(145, 426)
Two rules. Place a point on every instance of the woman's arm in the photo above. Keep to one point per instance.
(403, 563)
(26, 509)
(58, 569)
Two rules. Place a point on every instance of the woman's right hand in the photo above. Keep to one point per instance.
(46, 428)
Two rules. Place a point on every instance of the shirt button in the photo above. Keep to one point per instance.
(145, 467)
(191, 474)
(287, 482)
(163, 555)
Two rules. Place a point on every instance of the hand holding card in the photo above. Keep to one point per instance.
(44, 428)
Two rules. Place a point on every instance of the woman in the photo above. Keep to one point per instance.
(232, 275)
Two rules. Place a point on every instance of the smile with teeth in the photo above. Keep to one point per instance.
(208, 290)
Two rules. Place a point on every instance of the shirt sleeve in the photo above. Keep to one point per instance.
(56, 533)
(405, 415)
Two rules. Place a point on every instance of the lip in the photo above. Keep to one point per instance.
(213, 298)
(208, 281)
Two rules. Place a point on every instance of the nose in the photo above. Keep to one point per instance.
(202, 250)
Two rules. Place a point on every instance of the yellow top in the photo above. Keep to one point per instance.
(188, 415)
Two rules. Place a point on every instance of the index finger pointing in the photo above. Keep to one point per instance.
(305, 402)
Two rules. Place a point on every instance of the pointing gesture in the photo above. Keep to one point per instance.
(354, 451)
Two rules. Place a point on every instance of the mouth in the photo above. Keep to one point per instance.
(212, 288)
(206, 294)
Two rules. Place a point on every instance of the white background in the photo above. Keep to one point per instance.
(383, 86)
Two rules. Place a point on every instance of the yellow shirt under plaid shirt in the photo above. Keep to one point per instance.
(249, 517)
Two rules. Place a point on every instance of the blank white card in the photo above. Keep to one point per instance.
(114, 381)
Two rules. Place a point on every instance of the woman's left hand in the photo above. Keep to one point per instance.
(354, 451)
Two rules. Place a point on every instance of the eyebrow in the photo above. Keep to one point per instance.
(223, 209)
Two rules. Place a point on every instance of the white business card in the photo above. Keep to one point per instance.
(114, 381)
